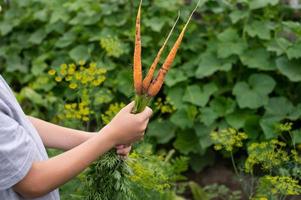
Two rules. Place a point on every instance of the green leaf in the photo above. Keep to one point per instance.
(175, 76)
(203, 134)
(290, 68)
(223, 106)
(184, 117)
(297, 136)
(255, 4)
(254, 94)
(237, 15)
(124, 83)
(197, 96)
(278, 45)
(237, 119)
(175, 95)
(279, 107)
(198, 192)
(230, 43)
(79, 52)
(294, 51)
(162, 130)
(186, 142)
(209, 64)
(268, 125)
(33, 96)
(38, 36)
(208, 116)
(258, 59)
(260, 29)
(155, 23)
(67, 39)
(14, 63)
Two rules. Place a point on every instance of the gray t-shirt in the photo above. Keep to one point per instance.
(20, 145)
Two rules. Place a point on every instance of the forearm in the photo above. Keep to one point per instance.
(60, 169)
(54, 136)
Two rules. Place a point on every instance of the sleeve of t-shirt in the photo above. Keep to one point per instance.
(16, 151)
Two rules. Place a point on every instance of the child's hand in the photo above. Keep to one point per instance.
(127, 128)
(123, 150)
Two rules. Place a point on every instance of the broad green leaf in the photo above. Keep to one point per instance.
(252, 127)
(203, 133)
(260, 29)
(197, 96)
(102, 96)
(186, 142)
(175, 94)
(223, 106)
(175, 76)
(209, 64)
(14, 63)
(38, 36)
(162, 130)
(79, 52)
(124, 83)
(237, 15)
(278, 45)
(290, 68)
(254, 94)
(268, 126)
(155, 23)
(279, 107)
(33, 96)
(208, 115)
(294, 51)
(297, 136)
(184, 117)
(67, 39)
(258, 59)
(255, 4)
(230, 43)
(237, 119)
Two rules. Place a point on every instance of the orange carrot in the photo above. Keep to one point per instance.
(137, 55)
(157, 83)
(147, 80)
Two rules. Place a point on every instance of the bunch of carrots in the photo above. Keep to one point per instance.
(149, 87)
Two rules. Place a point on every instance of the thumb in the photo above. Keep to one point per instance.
(147, 113)
(129, 107)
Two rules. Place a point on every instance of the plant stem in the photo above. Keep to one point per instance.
(234, 165)
(141, 101)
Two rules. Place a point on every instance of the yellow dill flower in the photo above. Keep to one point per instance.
(64, 66)
(280, 185)
(51, 72)
(227, 139)
(268, 155)
(68, 106)
(71, 71)
(58, 79)
(85, 119)
(63, 72)
(92, 64)
(73, 86)
(68, 78)
(82, 62)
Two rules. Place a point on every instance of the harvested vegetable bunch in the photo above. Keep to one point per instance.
(108, 178)
(149, 87)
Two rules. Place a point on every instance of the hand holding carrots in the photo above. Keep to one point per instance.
(127, 128)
